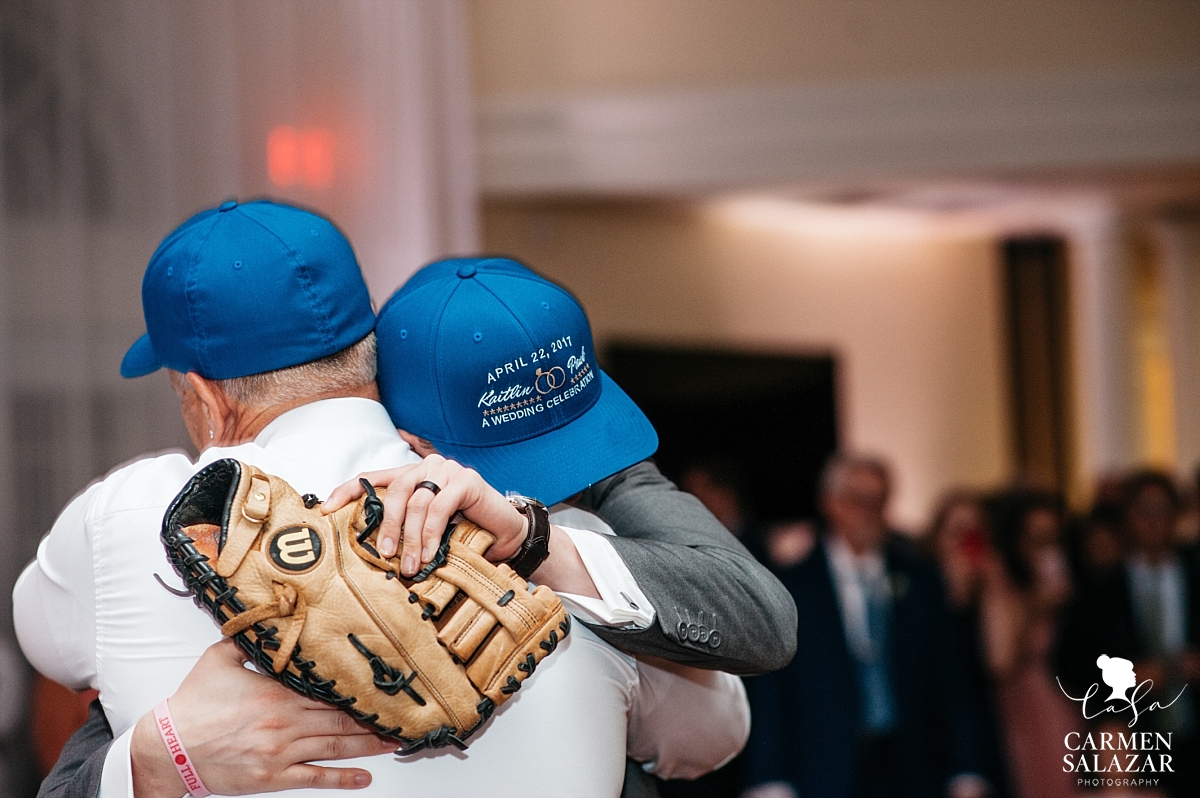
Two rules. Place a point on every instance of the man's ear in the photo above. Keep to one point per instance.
(219, 411)
(418, 444)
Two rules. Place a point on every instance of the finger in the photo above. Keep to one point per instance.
(227, 651)
(437, 518)
(414, 524)
(428, 527)
(353, 490)
(344, 494)
(394, 503)
(324, 721)
(328, 749)
(296, 777)
(397, 510)
(437, 470)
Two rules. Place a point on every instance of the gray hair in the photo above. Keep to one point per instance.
(352, 367)
(838, 468)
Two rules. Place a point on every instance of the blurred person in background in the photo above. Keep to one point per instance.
(960, 541)
(1108, 489)
(1187, 529)
(1147, 611)
(1020, 627)
(785, 545)
(1096, 547)
(717, 484)
(877, 701)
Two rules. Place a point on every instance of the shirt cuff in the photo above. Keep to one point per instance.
(622, 603)
(117, 779)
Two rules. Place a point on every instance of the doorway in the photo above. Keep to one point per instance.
(766, 421)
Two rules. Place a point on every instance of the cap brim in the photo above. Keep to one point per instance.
(611, 436)
(141, 359)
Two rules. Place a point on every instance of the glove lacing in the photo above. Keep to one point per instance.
(288, 604)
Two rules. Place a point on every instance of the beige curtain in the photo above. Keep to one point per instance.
(122, 117)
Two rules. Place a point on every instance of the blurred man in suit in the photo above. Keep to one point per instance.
(1146, 611)
(876, 701)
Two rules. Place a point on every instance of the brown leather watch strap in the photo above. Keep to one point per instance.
(536, 547)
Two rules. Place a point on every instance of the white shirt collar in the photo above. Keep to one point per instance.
(318, 446)
(1163, 585)
(349, 412)
(1140, 564)
(846, 562)
(848, 571)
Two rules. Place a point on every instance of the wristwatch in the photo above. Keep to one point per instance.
(536, 548)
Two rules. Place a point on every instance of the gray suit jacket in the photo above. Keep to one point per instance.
(716, 606)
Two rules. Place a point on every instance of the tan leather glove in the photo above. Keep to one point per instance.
(308, 598)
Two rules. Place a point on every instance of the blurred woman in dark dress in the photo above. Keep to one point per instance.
(960, 542)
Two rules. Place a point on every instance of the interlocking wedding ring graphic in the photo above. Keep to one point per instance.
(551, 380)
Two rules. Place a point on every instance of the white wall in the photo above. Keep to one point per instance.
(583, 46)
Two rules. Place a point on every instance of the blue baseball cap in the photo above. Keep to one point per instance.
(495, 366)
(245, 288)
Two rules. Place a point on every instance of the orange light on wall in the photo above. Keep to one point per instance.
(300, 156)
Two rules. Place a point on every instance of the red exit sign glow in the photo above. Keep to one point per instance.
(300, 156)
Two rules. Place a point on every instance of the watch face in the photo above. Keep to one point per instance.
(521, 502)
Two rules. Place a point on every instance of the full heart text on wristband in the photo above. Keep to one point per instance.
(179, 756)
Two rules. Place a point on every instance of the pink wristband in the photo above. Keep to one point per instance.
(183, 762)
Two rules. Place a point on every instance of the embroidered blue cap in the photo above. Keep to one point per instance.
(245, 288)
(495, 366)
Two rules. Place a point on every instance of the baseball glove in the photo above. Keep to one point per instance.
(424, 661)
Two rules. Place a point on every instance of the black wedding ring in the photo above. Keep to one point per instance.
(429, 486)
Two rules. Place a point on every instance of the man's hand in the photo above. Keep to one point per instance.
(246, 733)
(420, 516)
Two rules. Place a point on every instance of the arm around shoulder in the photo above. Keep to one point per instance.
(716, 606)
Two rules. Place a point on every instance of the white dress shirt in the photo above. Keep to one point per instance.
(1158, 597)
(621, 603)
(675, 705)
(850, 572)
(89, 613)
